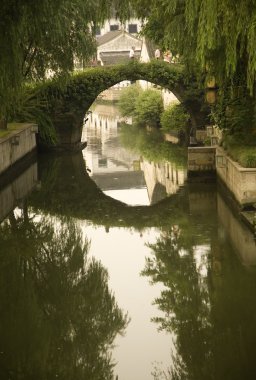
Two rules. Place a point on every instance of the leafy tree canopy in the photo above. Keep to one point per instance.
(215, 35)
(36, 37)
(128, 99)
(175, 118)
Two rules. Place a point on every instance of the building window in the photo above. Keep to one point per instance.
(102, 163)
(133, 28)
(98, 31)
(114, 27)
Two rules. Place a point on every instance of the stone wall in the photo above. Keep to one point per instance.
(112, 93)
(173, 138)
(240, 236)
(240, 181)
(16, 144)
(201, 160)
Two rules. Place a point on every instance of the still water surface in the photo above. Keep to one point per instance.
(112, 266)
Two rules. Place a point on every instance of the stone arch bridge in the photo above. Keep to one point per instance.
(68, 102)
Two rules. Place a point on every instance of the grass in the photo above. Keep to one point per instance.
(3, 133)
(241, 148)
(10, 128)
(244, 155)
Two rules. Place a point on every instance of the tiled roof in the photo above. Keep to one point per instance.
(101, 40)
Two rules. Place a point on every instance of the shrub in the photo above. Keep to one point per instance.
(148, 109)
(31, 108)
(244, 155)
(128, 99)
(174, 118)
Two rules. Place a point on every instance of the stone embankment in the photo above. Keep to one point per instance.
(239, 181)
(15, 143)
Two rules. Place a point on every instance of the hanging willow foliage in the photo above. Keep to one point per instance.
(212, 35)
(37, 37)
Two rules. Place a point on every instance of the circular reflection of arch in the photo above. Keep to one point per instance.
(67, 189)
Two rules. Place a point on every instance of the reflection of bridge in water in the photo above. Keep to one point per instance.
(67, 189)
(200, 208)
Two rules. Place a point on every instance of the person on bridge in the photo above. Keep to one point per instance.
(132, 53)
(167, 56)
(157, 54)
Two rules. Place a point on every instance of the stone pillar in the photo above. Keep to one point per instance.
(3, 124)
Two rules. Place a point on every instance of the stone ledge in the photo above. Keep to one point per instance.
(249, 218)
(202, 149)
(16, 143)
(220, 152)
(239, 180)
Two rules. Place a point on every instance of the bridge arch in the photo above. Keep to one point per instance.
(69, 102)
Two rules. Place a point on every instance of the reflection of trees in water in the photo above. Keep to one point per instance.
(212, 315)
(151, 145)
(58, 317)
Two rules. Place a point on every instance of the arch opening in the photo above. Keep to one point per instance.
(119, 168)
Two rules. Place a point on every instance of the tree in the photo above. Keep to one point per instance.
(58, 317)
(148, 108)
(40, 37)
(216, 35)
(128, 99)
(175, 118)
(214, 39)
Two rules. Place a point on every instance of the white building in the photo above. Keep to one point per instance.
(114, 47)
(147, 54)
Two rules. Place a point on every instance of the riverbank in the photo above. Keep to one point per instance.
(249, 217)
(18, 140)
(239, 182)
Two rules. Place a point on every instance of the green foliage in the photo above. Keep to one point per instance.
(91, 82)
(235, 114)
(10, 128)
(174, 118)
(213, 38)
(128, 99)
(31, 108)
(148, 109)
(245, 155)
(235, 110)
(208, 34)
(40, 37)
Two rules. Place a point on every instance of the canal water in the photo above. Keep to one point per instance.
(113, 267)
